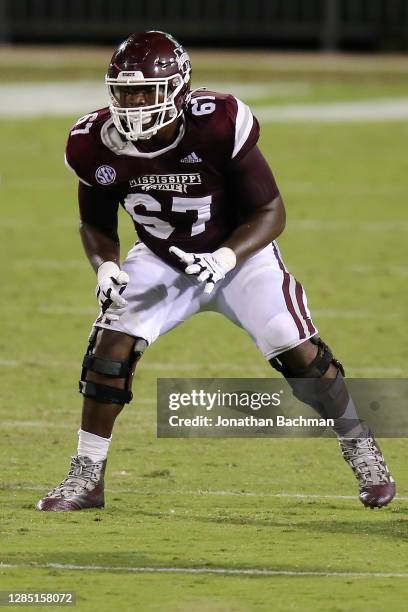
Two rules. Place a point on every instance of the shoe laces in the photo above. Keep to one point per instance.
(366, 460)
(81, 475)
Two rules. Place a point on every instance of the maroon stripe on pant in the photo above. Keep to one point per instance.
(302, 308)
(286, 295)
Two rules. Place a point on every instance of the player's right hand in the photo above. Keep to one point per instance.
(112, 282)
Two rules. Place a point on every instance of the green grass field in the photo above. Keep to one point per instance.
(285, 506)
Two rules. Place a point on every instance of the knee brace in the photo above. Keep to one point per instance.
(107, 394)
(316, 369)
(326, 397)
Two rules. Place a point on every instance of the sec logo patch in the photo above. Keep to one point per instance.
(105, 175)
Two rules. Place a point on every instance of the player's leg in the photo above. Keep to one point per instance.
(106, 382)
(317, 379)
(159, 298)
(106, 378)
(271, 305)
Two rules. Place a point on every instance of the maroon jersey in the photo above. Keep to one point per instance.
(190, 194)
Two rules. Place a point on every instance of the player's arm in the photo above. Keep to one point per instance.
(98, 226)
(98, 209)
(260, 218)
(256, 199)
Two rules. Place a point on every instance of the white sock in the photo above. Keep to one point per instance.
(92, 446)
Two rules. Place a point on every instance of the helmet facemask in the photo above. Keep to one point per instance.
(159, 107)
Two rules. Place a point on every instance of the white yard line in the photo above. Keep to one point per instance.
(214, 493)
(335, 225)
(375, 372)
(24, 100)
(253, 91)
(46, 425)
(350, 188)
(182, 369)
(248, 494)
(325, 313)
(79, 97)
(155, 367)
(226, 571)
(388, 270)
(334, 313)
(57, 311)
(336, 112)
(304, 225)
(57, 264)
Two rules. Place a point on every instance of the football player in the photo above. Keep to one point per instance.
(186, 167)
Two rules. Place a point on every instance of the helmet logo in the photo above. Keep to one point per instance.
(182, 59)
(105, 175)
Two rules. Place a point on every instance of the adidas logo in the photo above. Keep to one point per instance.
(191, 159)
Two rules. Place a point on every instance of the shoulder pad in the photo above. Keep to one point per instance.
(85, 152)
(231, 120)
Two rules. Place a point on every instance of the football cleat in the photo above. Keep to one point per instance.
(377, 486)
(82, 488)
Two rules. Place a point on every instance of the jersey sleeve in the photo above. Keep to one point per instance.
(250, 182)
(77, 157)
(73, 167)
(83, 149)
(245, 127)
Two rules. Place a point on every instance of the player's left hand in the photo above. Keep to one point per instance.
(208, 268)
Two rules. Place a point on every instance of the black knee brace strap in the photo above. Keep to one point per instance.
(316, 369)
(107, 394)
(305, 383)
(108, 367)
(104, 393)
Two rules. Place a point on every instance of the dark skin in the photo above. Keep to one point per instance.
(258, 229)
(130, 98)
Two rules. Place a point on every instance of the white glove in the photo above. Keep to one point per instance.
(209, 268)
(112, 282)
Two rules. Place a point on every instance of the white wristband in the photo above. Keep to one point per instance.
(108, 268)
(226, 257)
